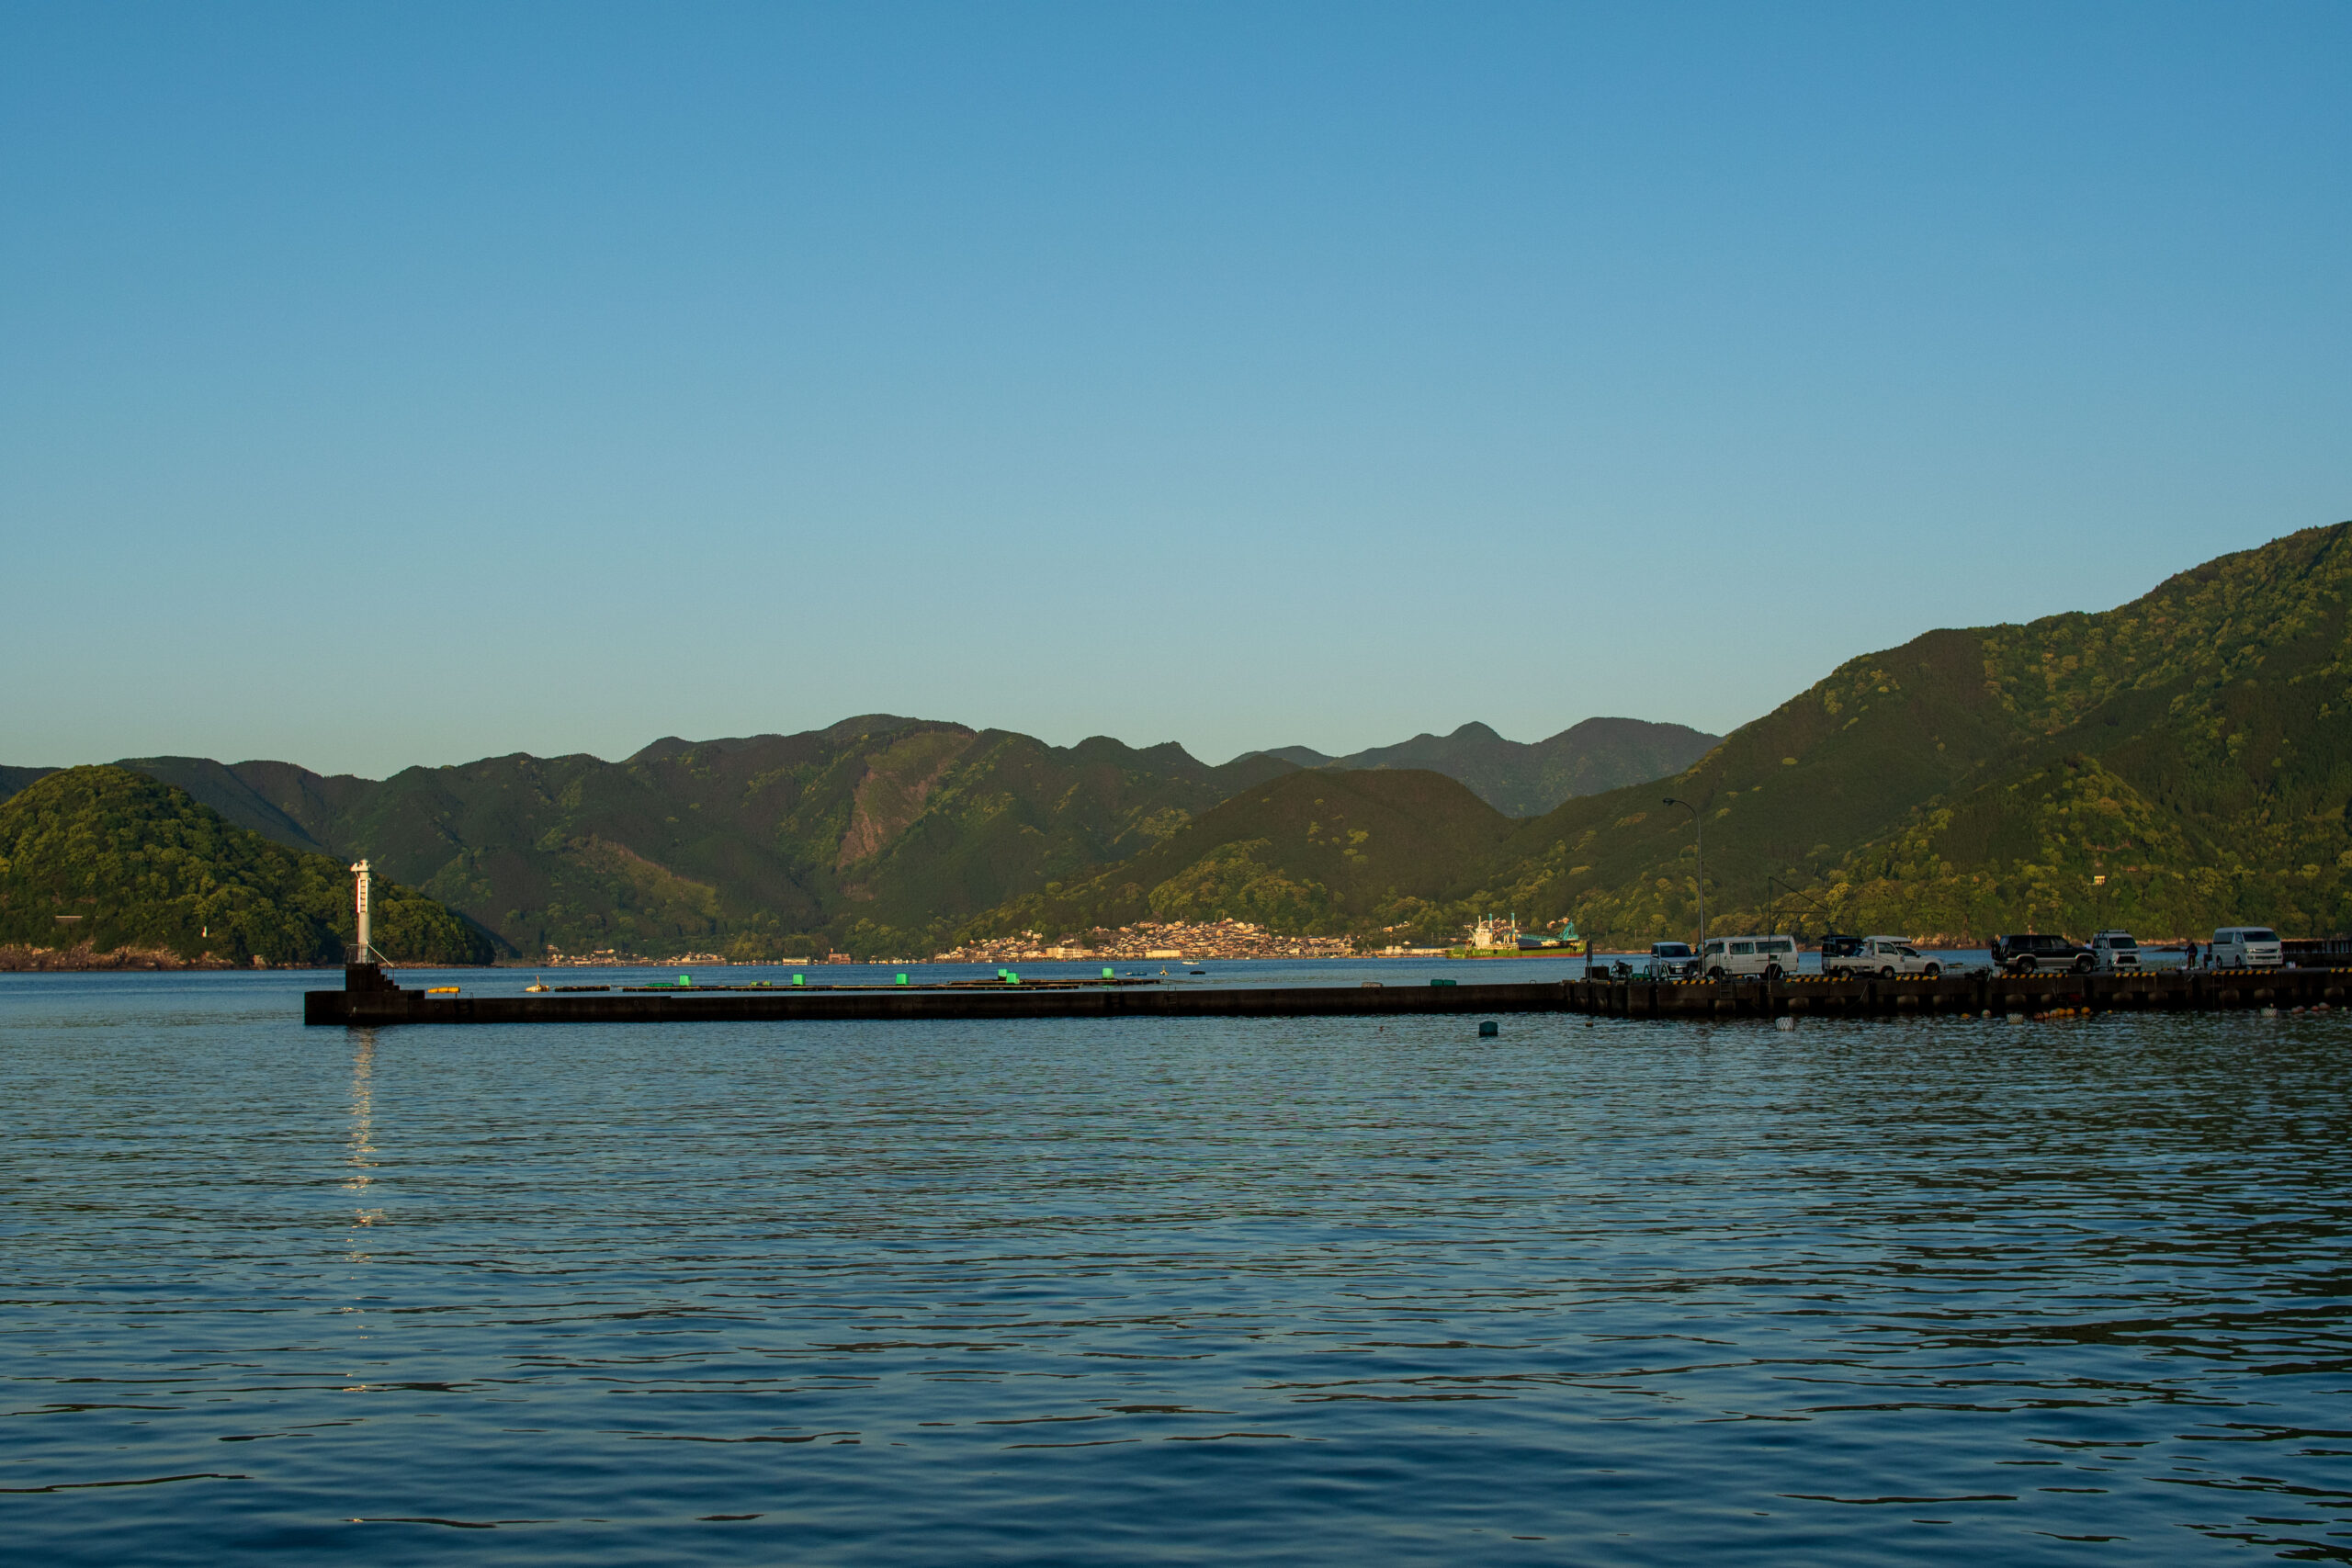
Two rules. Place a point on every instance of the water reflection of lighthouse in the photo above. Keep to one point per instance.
(362, 1159)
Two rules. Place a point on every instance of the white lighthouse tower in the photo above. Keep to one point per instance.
(367, 954)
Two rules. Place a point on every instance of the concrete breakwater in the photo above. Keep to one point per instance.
(370, 997)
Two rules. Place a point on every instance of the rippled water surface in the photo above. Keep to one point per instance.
(1084, 1291)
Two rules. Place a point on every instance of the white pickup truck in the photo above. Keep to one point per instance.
(1884, 956)
(2115, 953)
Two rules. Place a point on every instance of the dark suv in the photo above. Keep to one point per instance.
(2033, 953)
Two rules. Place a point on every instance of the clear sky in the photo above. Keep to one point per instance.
(403, 383)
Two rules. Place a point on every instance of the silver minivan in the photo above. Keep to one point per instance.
(1732, 957)
(2245, 947)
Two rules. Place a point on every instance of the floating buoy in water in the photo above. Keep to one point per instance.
(1489, 1030)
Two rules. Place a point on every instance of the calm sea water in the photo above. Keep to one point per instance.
(1154, 1290)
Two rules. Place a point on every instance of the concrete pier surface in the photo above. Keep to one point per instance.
(371, 997)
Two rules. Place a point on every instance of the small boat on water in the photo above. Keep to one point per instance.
(539, 983)
(1491, 938)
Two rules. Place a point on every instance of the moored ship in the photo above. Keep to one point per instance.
(1492, 938)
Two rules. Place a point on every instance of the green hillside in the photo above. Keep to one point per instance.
(2190, 748)
(1527, 779)
(2177, 762)
(1317, 852)
(132, 862)
(2182, 762)
(878, 835)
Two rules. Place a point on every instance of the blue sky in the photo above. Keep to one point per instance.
(407, 384)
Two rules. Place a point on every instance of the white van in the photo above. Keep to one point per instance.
(2245, 947)
(1885, 956)
(1731, 957)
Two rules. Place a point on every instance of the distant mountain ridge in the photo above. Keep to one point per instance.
(880, 834)
(2175, 764)
(1528, 779)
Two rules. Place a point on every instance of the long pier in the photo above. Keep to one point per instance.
(369, 997)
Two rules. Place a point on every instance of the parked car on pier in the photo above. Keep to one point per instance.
(1884, 956)
(1672, 961)
(1836, 947)
(2115, 953)
(2030, 952)
(1737, 957)
(2246, 947)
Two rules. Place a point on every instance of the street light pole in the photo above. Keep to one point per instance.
(1702, 870)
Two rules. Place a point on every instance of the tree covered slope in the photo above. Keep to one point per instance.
(129, 861)
(2175, 762)
(878, 834)
(2192, 748)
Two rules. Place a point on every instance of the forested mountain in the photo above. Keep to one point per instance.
(2183, 760)
(878, 834)
(114, 859)
(1524, 779)
(2179, 762)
